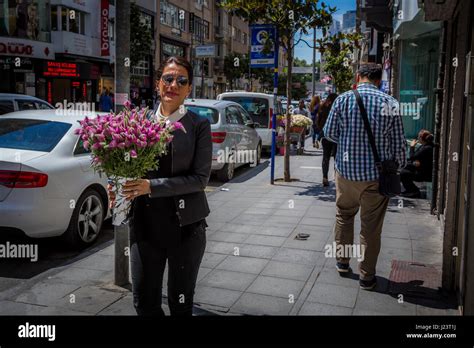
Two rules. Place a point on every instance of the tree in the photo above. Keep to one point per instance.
(141, 37)
(337, 51)
(236, 66)
(289, 17)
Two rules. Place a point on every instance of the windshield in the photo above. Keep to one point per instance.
(257, 108)
(203, 111)
(34, 135)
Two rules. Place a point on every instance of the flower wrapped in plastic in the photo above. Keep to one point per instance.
(125, 146)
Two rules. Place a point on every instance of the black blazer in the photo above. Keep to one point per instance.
(191, 168)
(424, 154)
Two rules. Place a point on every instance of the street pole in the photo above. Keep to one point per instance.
(191, 25)
(122, 89)
(314, 63)
(275, 103)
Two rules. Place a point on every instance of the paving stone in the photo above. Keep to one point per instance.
(309, 244)
(243, 264)
(221, 247)
(44, 293)
(332, 276)
(74, 275)
(279, 287)
(255, 304)
(299, 256)
(259, 251)
(422, 310)
(317, 222)
(287, 270)
(279, 231)
(429, 258)
(333, 295)
(289, 212)
(265, 240)
(202, 272)
(97, 262)
(89, 299)
(124, 306)
(396, 243)
(17, 308)
(211, 260)
(229, 237)
(382, 303)
(311, 308)
(216, 296)
(228, 280)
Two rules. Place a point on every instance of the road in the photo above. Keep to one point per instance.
(52, 252)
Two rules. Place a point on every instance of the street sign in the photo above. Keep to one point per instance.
(260, 34)
(205, 51)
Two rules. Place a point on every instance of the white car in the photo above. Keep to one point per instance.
(260, 108)
(47, 187)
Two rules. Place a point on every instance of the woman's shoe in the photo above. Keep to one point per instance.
(325, 182)
(317, 144)
(314, 144)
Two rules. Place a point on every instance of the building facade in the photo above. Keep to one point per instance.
(58, 50)
(430, 57)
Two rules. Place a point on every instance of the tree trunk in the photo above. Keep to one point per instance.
(287, 175)
(122, 85)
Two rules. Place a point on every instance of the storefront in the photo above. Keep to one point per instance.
(169, 48)
(70, 81)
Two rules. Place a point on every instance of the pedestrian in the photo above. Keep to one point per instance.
(357, 183)
(167, 222)
(420, 164)
(314, 110)
(301, 110)
(329, 147)
(105, 102)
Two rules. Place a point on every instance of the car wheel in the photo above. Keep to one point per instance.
(226, 173)
(259, 153)
(86, 221)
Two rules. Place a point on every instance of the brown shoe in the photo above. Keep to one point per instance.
(325, 182)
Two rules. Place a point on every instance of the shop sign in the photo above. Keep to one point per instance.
(26, 48)
(104, 28)
(61, 69)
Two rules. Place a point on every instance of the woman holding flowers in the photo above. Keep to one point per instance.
(169, 206)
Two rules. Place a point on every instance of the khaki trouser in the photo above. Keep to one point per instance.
(350, 195)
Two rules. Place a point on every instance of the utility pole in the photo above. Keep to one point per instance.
(122, 90)
(191, 31)
(313, 81)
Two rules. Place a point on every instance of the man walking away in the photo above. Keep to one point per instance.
(356, 174)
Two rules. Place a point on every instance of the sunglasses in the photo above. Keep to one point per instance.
(168, 79)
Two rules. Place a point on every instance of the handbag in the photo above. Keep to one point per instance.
(389, 174)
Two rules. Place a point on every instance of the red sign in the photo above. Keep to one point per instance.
(16, 48)
(104, 28)
(59, 69)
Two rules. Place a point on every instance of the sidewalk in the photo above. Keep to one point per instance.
(253, 265)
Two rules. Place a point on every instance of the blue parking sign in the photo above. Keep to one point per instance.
(260, 33)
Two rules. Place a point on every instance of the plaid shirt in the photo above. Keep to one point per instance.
(354, 159)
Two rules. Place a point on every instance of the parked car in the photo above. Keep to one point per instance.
(19, 102)
(260, 108)
(47, 187)
(235, 141)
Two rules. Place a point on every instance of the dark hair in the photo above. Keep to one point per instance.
(330, 99)
(372, 71)
(178, 61)
(426, 136)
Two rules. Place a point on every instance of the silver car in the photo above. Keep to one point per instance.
(10, 102)
(235, 141)
(47, 187)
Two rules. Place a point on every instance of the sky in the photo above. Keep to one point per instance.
(302, 51)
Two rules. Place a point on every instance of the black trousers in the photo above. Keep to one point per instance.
(407, 176)
(148, 265)
(329, 149)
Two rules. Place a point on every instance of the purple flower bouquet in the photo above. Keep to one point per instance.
(125, 146)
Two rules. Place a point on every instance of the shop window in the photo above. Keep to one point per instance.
(54, 18)
(26, 19)
(64, 15)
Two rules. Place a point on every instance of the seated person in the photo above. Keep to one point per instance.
(420, 164)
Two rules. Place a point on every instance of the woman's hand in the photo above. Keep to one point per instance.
(135, 188)
(417, 163)
(413, 142)
(111, 194)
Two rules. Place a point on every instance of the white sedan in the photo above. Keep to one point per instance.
(47, 187)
